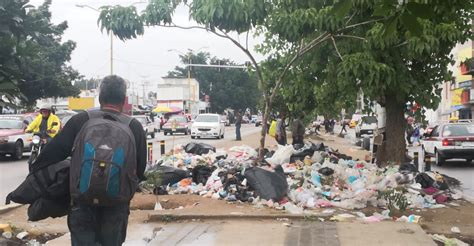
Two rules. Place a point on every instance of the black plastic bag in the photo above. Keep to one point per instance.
(50, 182)
(326, 171)
(424, 180)
(198, 148)
(201, 174)
(304, 150)
(407, 167)
(170, 175)
(43, 208)
(266, 184)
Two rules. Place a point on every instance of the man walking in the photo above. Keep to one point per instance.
(344, 124)
(238, 124)
(280, 135)
(298, 130)
(108, 152)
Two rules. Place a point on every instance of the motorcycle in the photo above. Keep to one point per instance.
(39, 140)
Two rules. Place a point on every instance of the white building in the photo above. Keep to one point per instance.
(182, 93)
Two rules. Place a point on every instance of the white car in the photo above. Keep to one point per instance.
(450, 141)
(366, 126)
(208, 126)
(148, 127)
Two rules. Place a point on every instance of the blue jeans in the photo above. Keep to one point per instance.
(237, 132)
(91, 225)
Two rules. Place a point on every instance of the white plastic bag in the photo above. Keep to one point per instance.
(282, 155)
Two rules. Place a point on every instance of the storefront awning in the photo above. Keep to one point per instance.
(453, 109)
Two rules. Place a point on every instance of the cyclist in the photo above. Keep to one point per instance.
(43, 123)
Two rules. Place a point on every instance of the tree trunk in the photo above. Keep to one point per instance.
(263, 133)
(393, 149)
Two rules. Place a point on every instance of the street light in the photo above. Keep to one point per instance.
(111, 35)
(189, 72)
(111, 38)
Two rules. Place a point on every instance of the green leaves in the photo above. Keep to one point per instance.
(229, 15)
(123, 22)
(411, 23)
(159, 12)
(228, 88)
(424, 11)
(33, 58)
(342, 8)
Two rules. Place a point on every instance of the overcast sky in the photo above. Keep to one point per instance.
(143, 59)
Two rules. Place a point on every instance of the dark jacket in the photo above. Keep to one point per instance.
(238, 120)
(46, 190)
(61, 146)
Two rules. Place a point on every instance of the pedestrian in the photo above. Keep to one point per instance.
(298, 130)
(409, 130)
(326, 125)
(238, 124)
(280, 135)
(415, 137)
(332, 124)
(344, 124)
(108, 152)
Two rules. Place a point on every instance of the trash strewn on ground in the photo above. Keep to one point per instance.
(300, 178)
(11, 235)
(448, 241)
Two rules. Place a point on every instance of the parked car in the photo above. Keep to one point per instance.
(13, 140)
(366, 126)
(147, 126)
(176, 124)
(450, 141)
(208, 125)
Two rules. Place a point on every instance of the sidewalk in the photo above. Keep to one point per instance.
(195, 220)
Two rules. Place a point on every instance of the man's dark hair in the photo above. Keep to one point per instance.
(113, 90)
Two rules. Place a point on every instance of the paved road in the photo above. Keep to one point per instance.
(12, 173)
(458, 169)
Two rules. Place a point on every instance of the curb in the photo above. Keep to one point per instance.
(7, 208)
(167, 217)
(468, 198)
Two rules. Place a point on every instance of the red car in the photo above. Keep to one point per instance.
(175, 124)
(13, 140)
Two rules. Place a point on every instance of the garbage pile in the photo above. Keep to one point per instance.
(297, 179)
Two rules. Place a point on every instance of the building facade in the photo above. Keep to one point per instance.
(182, 93)
(457, 96)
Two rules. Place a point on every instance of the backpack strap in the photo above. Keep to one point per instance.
(97, 113)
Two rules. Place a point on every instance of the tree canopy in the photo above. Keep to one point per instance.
(327, 50)
(33, 58)
(401, 58)
(87, 84)
(227, 87)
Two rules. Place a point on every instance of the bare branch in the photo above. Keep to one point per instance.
(401, 44)
(182, 27)
(246, 51)
(321, 38)
(359, 24)
(247, 40)
(349, 36)
(350, 18)
(335, 46)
